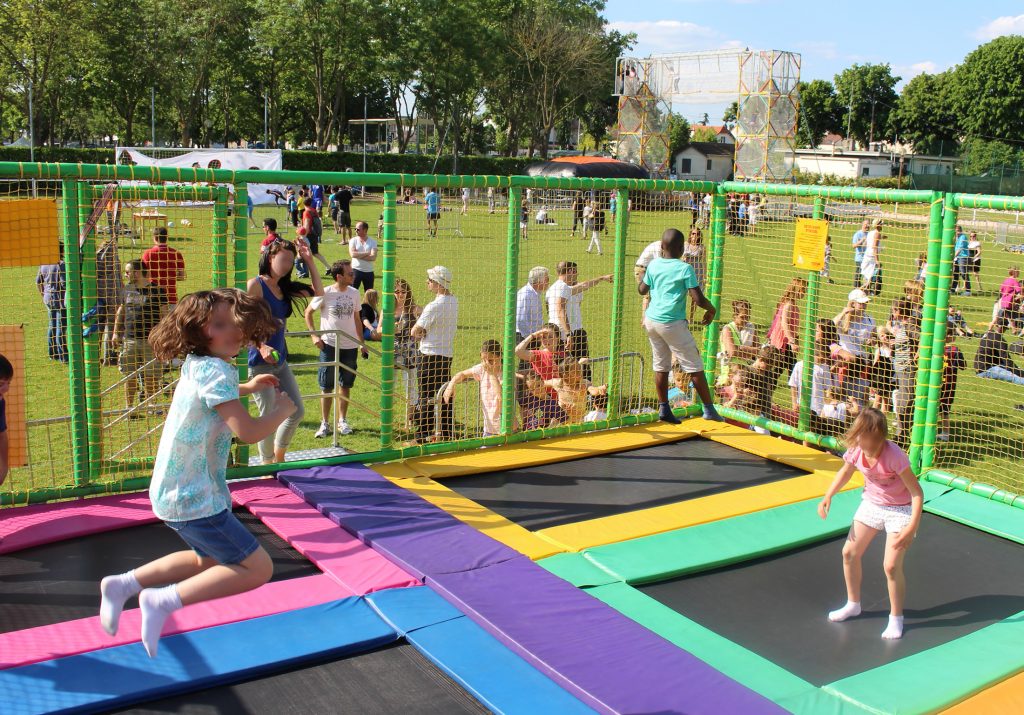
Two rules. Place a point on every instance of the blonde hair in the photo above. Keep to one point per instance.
(372, 298)
(869, 421)
(796, 287)
(913, 291)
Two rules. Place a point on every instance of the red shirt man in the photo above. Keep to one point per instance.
(166, 265)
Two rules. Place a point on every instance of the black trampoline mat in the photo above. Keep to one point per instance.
(61, 581)
(959, 580)
(396, 679)
(567, 492)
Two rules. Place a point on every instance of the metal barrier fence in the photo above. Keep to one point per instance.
(87, 443)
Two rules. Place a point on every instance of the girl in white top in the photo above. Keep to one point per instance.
(870, 266)
(856, 332)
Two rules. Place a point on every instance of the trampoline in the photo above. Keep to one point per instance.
(549, 495)
(60, 581)
(958, 583)
(393, 679)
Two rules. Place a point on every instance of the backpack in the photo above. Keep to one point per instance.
(316, 228)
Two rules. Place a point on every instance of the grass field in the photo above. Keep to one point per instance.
(986, 428)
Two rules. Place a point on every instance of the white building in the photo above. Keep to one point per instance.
(833, 160)
(704, 161)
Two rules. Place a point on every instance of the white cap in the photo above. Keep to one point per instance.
(440, 275)
(858, 295)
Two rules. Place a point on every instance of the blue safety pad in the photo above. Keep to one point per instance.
(409, 609)
(125, 675)
(488, 670)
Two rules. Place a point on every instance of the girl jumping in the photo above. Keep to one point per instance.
(188, 491)
(892, 503)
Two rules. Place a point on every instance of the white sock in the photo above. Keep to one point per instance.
(114, 591)
(156, 604)
(894, 631)
(850, 610)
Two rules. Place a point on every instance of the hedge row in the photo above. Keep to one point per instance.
(882, 182)
(307, 161)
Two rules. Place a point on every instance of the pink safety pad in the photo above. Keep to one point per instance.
(85, 634)
(27, 526)
(335, 551)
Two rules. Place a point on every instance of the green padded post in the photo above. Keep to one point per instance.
(807, 338)
(618, 297)
(508, 353)
(387, 317)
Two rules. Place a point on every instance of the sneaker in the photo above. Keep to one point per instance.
(942, 436)
(324, 431)
(343, 427)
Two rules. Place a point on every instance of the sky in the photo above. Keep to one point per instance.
(911, 36)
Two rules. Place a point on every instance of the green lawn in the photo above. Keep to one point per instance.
(986, 429)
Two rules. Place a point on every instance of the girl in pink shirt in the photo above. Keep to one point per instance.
(892, 503)
(488, 373)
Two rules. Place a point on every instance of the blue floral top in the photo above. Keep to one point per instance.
(191, 462)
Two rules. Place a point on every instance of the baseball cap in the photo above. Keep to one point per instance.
(859, 295)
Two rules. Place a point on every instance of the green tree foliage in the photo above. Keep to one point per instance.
(925, 116)
(704, 134)
(820, 112)
(987, 91)
(868, 92)
(731, 113)
(678, 133)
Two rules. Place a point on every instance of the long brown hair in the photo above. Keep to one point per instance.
(183, 331)
(869, 420)
(294, 293)
(796, 287)
(409, 304)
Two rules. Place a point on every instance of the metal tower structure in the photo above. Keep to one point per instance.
(764, 83)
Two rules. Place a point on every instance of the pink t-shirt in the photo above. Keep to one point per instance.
(882, 483)
(1010, 288)
(490, 398)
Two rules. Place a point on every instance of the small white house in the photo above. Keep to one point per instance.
(931, 165)
(845, 163)
(704, 161)
(721, 132)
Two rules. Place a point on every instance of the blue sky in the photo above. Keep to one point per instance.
(911, 36)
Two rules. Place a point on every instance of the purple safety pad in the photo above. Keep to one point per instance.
(415, 534)
(606, 659)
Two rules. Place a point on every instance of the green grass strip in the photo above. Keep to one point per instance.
(720, 543)
(743, 666)
(941, 676)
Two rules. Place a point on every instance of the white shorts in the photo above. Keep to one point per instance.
(673, 340)
(891, 519)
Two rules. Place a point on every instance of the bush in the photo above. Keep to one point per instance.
(882, 182)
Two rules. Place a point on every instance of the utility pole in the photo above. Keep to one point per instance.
(266, 123)
(849, 118)
(152, 115)
(871, 134)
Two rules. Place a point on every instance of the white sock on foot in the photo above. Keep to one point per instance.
(850, 610)
(114, 591)
(156, 604)
(894, 631)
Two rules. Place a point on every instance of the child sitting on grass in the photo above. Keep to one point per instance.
(538, 407)
(488, 373)
(572, 389)
(679, 395)
(600, 404)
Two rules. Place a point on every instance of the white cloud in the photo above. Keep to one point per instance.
(661, 36)
(1006, 25)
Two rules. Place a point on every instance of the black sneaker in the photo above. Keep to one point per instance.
(665, 414)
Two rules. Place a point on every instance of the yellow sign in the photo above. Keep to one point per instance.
(809, 243)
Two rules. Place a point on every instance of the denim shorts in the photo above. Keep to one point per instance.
(220, 537)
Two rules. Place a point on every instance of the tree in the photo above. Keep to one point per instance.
(925, 117)
(869, 93)
(984, 156)
(986, 90)
(732, 112)
(704, 134)
(819, 112)
(678, 134)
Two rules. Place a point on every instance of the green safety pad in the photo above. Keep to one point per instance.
(577, 570)
(748, 668)
(720, 543)
(939, 677)
(976, 511)
(932, 490)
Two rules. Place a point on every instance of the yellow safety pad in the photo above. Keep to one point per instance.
(480, 517)
(548, 451)
(794, 454)
(12, 346)
(1001, 699)
(28, 233)
(634, 524)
